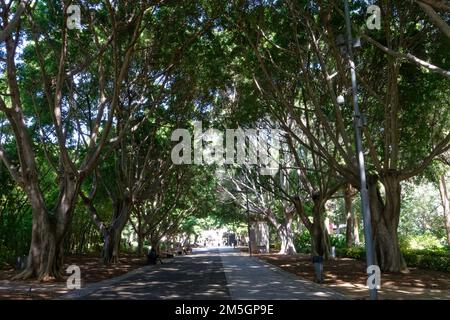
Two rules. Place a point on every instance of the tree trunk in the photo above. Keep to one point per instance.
(356, 229)
(140, 247)
(284, 230)
(349, 231)
(141, 235)
(111, 246)
(154, 242)
(445, 205)
(385, 219)
(320, 240)
(111, 243)
(45, 258)
(45, 255)
(286, 235)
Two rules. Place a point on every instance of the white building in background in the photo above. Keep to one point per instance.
(212, 237)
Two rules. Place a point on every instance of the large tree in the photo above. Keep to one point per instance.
(297, 65)
(60, 79)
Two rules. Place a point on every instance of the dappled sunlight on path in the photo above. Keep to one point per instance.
(251, 278)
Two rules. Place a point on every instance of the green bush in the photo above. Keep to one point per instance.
(420, 242)
(276, 246)
(341, 252)
(338, 241)
(352, 252)
(6, 257)
(302, 242)
(437, 259)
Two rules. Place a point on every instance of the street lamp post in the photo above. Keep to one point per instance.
(359, 122)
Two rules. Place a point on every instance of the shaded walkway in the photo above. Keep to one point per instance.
(216, 273)
(192, 277)
(251, 278)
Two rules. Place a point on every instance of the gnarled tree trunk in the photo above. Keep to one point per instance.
(286, 235)
(284, 230)
(140, 248)
(356, 229)
(350, 236)
(155, 240)
(445, 205)
(45, 258)
(320, 240)
(111, 238)
(111, 246)
(385, 218)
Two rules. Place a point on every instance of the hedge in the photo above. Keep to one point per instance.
(432, 259)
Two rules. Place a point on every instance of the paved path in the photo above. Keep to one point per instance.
(192, 277)
(217, 273)
(251, 278)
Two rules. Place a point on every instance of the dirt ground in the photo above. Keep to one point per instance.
(348, 277)
(91, 271)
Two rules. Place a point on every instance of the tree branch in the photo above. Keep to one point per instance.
(435, 18)
(14, 22)
(407, 56)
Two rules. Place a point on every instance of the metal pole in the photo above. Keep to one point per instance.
(358, 121)
(248, 225)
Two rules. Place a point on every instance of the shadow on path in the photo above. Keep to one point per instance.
(197, 276)
(207, 274)
(251, 278)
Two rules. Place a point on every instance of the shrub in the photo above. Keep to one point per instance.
(341, 252)
(355, 252)
(302, 242)
(437, 259)
(275, 242)
(420, 242)
(276, 246)
(6, 257)
(433, 259)
(338, 241)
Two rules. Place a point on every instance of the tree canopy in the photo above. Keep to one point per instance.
(87, 116)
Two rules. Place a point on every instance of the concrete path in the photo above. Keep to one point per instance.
(216, 273)
(254, 279)
(192, 277)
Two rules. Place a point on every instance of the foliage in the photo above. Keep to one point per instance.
(15, 221)
(355, 252)
(421, 213)
(426, 241)
(338, 241)
(432, 259)
(227, 64)
(302, 242)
